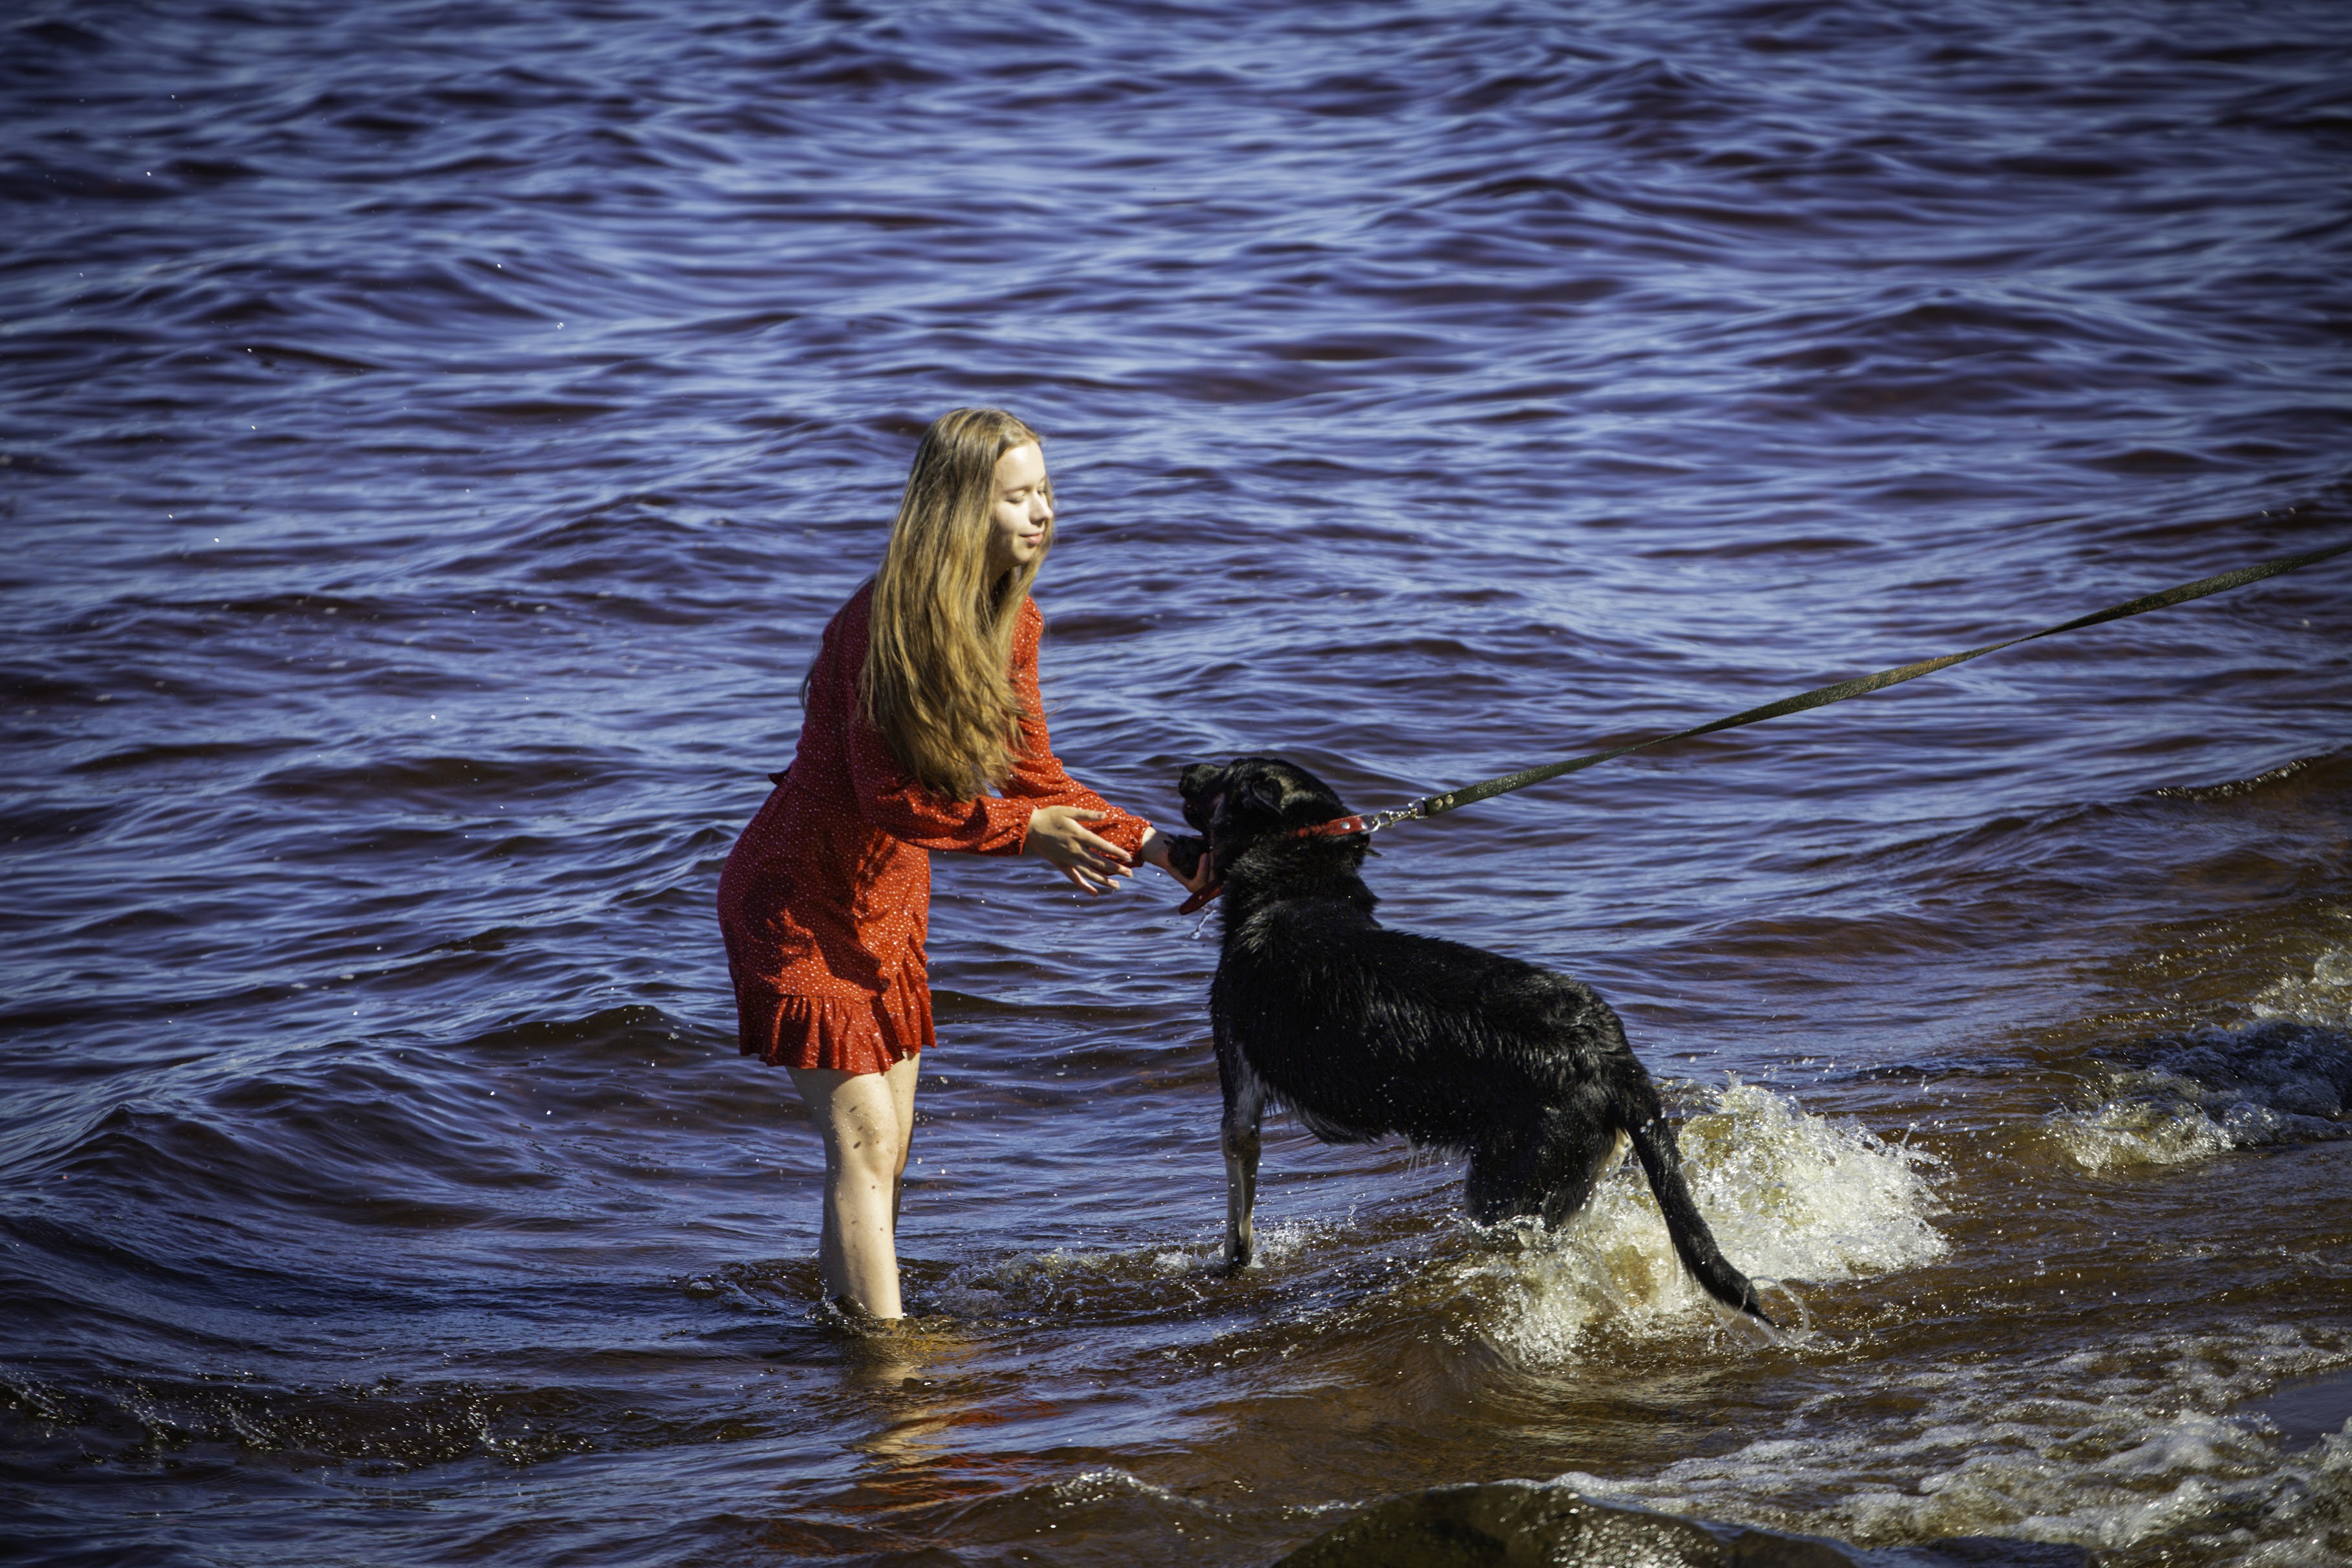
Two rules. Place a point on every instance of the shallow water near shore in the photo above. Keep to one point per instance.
(436, 435)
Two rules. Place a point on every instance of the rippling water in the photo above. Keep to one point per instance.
(438, 432)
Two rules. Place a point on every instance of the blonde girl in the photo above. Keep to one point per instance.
(924, 731)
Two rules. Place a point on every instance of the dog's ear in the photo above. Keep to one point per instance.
(1264, 792)
(1304, 798)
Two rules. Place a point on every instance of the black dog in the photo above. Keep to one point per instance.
(1362, 1031)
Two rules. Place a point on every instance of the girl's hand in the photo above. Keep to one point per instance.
(1059, 835)
(1155, 853)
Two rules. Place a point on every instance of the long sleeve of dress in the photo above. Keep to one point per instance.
(991, 823)
(894, 803)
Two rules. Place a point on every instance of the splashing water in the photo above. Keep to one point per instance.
(1789, 1196)
(2323, 997)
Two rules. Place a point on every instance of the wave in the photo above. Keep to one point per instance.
(1147, 1280)
(2282, 1076)
(2193, 1096)
(389, 1425)
(2322, 998)
(2148, 1442)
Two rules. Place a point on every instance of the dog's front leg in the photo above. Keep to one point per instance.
(1245, 1108)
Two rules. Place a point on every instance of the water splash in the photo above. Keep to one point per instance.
(1790, 1195)
(2323, 997)
(2153, 1119)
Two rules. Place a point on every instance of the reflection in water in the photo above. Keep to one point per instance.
(907, 1368)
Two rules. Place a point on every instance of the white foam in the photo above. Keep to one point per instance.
(1789, 1196)
(2153, 1119)
(2109, 1450)
(2286, 1076)
(2323, 997)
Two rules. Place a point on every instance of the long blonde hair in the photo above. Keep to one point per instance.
(938, 678)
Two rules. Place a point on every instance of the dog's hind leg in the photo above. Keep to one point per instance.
(1244, 1110)
(1546, 1171)
(1502, 1181)
(1576, 1155)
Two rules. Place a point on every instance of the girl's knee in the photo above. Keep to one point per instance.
(872, 1153)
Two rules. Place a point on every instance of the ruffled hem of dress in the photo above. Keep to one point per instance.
(863, 1035)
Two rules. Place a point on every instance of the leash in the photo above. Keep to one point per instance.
(1470, 794)
(1820, 696)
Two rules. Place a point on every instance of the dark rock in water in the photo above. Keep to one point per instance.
(1505, 1524)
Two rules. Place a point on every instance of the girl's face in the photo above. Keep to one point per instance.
(1019, 511)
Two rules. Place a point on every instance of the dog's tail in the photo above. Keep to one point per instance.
(1653, 1145)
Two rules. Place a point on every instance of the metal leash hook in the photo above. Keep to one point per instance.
(1381, 819)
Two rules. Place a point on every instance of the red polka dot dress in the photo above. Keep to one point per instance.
(826, 901)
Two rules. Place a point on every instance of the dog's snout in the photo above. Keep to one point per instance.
(1199, 787)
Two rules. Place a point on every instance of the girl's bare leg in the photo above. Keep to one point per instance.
(901, 1079)
(867, 1120)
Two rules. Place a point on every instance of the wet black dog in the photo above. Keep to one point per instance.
(1363, 1032)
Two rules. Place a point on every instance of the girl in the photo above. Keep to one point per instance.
(924, 731)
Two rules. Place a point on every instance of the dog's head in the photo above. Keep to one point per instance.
(1235, 805)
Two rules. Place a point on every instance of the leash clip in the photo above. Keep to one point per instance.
(1396, 813)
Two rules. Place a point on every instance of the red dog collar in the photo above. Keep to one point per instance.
(1338, 828)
